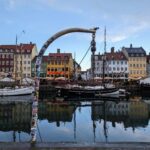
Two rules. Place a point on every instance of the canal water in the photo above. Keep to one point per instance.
(91, 121)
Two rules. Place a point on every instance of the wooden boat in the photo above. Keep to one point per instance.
(17, 91)
(87, 91)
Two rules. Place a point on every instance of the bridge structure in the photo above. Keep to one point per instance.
(38, 67)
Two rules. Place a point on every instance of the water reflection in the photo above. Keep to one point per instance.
(56, 112)
(77, 121)
(15, 121)
(129, 114)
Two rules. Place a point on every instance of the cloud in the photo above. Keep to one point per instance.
(65, 6)
(10, 4)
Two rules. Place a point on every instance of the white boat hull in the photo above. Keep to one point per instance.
(16, 91)
(111, 94)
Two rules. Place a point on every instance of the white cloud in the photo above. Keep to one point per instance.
(10, 4)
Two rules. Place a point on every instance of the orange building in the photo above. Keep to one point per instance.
(60, 65)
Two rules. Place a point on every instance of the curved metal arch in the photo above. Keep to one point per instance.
(54, 37)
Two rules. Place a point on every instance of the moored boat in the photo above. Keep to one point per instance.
(17, 91)
(87, 91)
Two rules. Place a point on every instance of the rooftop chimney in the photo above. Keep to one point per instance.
(58, 50)
(130, 45)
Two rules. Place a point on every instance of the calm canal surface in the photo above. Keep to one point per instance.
(96, 121)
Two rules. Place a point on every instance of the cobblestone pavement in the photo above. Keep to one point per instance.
(75, 146)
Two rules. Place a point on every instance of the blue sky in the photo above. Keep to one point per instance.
(127, 21)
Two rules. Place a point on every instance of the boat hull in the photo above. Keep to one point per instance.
(17, 91)
(86, 93)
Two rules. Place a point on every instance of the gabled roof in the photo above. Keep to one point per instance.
(10, 48)
(115, 56)
(61, 55)
(24, 48)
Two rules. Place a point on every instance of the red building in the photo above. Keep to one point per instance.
(7, 59)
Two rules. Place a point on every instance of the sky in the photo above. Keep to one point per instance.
(126, 22)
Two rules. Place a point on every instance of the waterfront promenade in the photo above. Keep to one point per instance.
(75, 146)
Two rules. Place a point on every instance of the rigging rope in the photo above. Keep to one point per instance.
(85, 55)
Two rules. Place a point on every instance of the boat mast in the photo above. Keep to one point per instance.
(15, 64)
(74, 66)
(105, 122)
(104, 56)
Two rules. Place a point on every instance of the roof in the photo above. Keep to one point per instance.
(25, 48)
(61, 55)
(135, 51)
(10, 48)
(115, 56)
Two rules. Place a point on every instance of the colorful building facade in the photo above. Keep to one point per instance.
(7, 59)
(22, 60)
(116, 64)
(137, 62)
(60, 65)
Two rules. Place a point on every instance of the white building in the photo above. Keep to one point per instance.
(22, 60)
(112, 64)
(116, 64)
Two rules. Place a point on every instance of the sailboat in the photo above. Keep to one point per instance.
(90, 91)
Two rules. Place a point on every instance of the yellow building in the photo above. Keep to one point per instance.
(138, 111)
(60, 65)
(136, 62)
(22, 60)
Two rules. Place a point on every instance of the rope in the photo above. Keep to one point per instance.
(85, 55)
